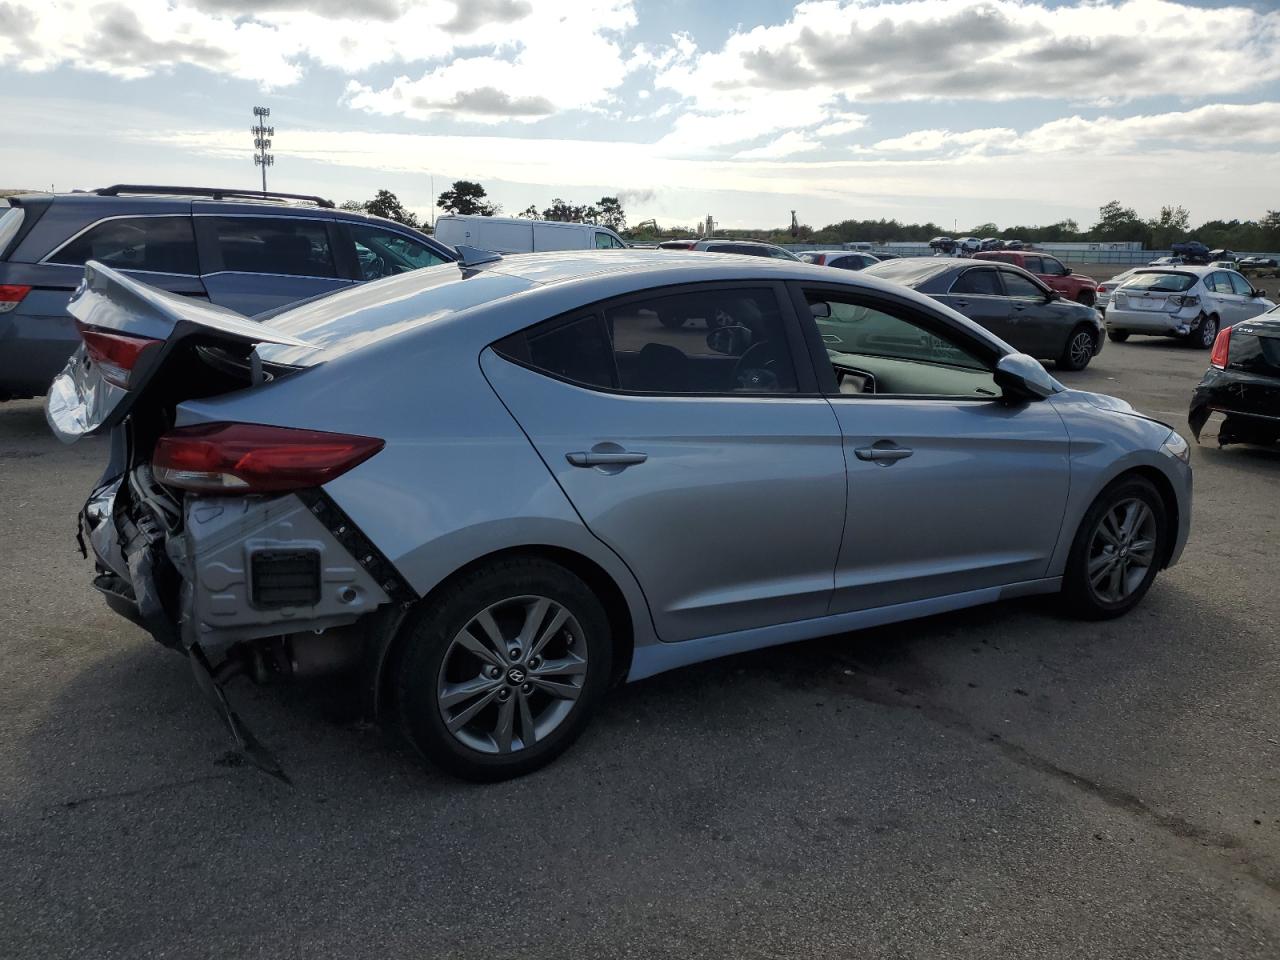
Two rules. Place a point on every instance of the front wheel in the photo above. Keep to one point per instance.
(502, 672)
(1118, 549)
(1078, 350)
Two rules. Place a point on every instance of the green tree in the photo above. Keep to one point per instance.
(1170, 227)
(466, 197)
(531, 213)
(1116, 222)
(387, 204)
(611, 214)
(352, 205)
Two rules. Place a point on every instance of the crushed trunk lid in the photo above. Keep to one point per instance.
(82, 402)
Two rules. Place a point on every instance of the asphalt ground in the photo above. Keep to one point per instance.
(1000, 782)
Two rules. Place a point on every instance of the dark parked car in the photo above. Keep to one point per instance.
(249, 252)
(1193, 251)
(943, 245)
(1243, 383)
(842, 259)
(1009, 302)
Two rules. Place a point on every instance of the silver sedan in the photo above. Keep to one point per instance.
(489, 490)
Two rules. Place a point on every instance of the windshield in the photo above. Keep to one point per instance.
(1162, 281)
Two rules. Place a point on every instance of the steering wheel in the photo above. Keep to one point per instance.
(756, 369)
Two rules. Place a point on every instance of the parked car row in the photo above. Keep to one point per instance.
(249, 252)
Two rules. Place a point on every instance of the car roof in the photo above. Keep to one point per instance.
(538, 285)
(835, 253)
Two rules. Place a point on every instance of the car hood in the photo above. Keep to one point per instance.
(1102, 401)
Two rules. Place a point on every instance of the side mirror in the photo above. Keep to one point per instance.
(1257, 293)
(1023, 378)
(820, 310)
(1053, 295)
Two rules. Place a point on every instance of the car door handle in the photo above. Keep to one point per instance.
(595, 458)
(883, 452)
(960, 303)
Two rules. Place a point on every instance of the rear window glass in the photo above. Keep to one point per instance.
(909, 271)
(1162, 281)
(154, 244)
(290, 246)
(360, 316)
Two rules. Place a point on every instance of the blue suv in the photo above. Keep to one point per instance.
(248, 251)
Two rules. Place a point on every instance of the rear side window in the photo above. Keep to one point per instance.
(154, 244)
(290, 246)
(982, 283)
(712, 342)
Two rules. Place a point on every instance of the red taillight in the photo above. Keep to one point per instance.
(1221, 349)
(11, 295)
(1102, 288)
(116, 354)
(233, 458)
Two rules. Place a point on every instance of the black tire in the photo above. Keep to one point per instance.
(1202, 337)
(430, 637)
(1079, 597)
(1087, 297)
(1117, 336)
(1079, 349)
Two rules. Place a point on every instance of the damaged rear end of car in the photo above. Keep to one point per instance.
(217, 538)
(1242, 384)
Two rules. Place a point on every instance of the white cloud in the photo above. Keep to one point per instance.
(788, 145)
(846, 124)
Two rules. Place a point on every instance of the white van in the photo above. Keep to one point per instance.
(518, 235)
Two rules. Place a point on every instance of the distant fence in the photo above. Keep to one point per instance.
(1127, 258)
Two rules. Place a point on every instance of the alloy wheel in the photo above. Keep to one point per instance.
(512, 675)
(1081, 349)
(1122, 550)
(1208, 331)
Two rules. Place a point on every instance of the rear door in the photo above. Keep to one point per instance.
(253, 262)
(978, 294)
(705, 460)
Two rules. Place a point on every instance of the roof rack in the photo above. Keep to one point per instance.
(213, 193)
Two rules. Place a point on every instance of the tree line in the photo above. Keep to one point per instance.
(1115, 223)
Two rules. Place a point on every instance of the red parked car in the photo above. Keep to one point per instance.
(1056, 274)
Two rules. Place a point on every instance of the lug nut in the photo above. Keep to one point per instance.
(504, 694)
(514, 653)
(527, 688)
(535, 663)
(494, 673)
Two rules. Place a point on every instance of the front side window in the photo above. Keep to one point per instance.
(721, 341)
(981, 282)
(880, 350)
(382, 253)
(1241, 286)
(155, 244)
(1054, 268)
(291, 246)
(1016, 285)
(604, 241)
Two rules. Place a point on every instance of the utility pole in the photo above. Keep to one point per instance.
(262, 135)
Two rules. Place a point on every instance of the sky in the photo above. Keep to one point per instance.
(1019, 112)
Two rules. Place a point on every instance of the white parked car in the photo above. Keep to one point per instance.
(1165, 262)
(1189, 302)
(969, 244)
(1103, 295)
(519, 235)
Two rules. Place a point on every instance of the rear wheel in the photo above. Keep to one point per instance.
(1204, 335)
(504, 670)
(1117, 336)
(1118, 549)
(1079, 349)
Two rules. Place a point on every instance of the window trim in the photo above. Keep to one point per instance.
(987, 353)
(807, 383)
(48, 260)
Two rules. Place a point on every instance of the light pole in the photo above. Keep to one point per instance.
(262, 135)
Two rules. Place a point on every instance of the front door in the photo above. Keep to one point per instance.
(978, 295)
(677, 427)
(950, 488)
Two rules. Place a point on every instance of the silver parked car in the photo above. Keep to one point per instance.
(491, 489)
(1192, 303)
